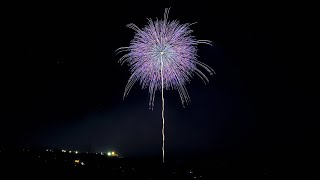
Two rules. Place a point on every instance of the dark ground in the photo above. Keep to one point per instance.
(56, 164)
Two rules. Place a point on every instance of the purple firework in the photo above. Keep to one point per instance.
(163, 55)
(165, 43)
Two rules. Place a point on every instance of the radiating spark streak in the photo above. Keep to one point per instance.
(162, 96)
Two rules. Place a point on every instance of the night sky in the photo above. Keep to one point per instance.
(62, 85)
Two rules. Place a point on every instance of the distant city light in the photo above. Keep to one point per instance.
(77, 161)
(64, 150)
(70, 151)
(109, 153)
(112, 153)
(76, 152)
(101, 153)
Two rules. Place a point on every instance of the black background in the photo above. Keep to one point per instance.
(61, 85)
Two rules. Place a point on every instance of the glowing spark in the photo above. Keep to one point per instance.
(163, 55)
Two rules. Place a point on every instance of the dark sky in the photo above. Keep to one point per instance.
(61, 85)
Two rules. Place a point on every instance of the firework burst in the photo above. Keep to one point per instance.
(163, 55)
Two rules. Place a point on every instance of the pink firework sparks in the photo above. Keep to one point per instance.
(163, 55)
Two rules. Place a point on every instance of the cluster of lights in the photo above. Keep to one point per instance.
(77, 161)
(64, 151)
(112, 153)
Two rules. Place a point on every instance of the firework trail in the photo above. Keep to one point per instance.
(163, 55)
